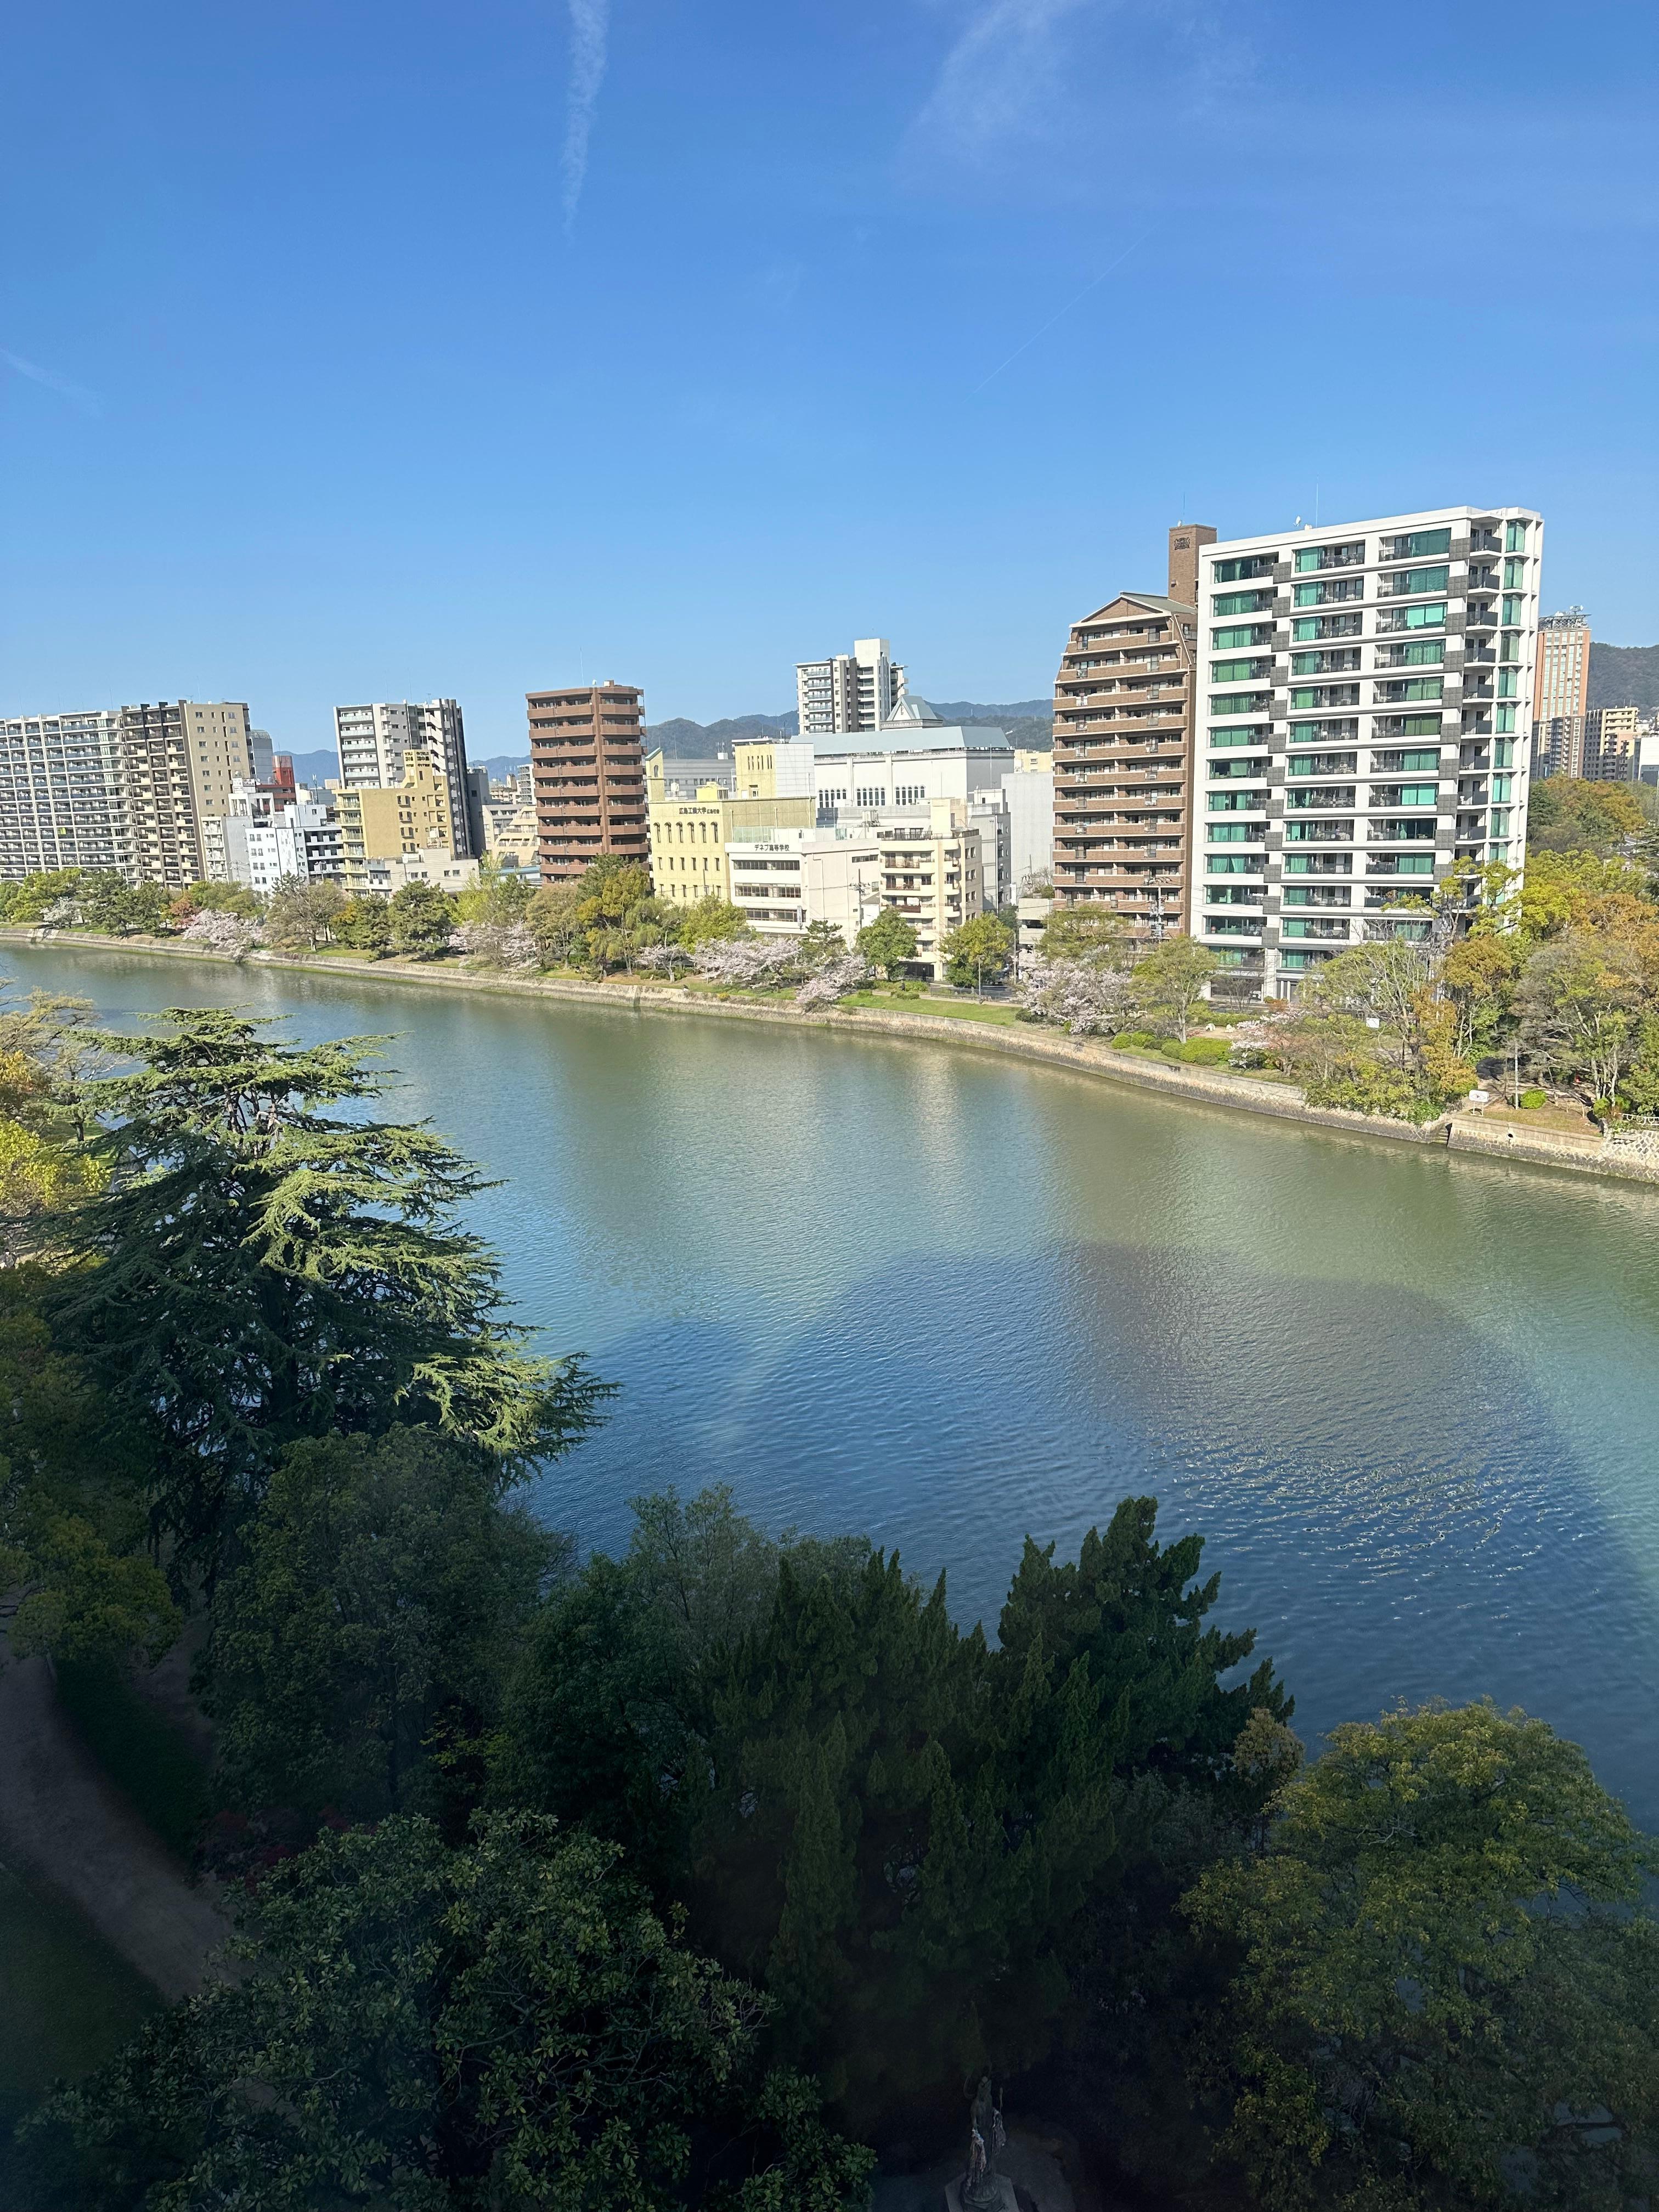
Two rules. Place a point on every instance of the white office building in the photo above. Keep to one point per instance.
(62, 794)
(265, 839)
(373, 740)
(1365, 698)
(1029, 795)
(951, 761)
(850, 691)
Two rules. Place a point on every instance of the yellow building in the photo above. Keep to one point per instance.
(382, 823)
(689, 836)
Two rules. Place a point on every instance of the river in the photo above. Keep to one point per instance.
(1410, 1398)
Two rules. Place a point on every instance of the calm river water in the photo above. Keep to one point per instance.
(1410, 1399)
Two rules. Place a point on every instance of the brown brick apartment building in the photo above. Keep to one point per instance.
(587, 768)
(1124, 747)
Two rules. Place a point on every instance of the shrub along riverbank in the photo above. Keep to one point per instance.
(701, 1874)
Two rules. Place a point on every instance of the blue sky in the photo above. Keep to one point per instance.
(382, 348)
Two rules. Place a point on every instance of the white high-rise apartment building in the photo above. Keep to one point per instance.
(63, 797)
(1364, 698)
(855, 690)
(373, 740)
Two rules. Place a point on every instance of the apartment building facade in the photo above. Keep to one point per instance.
(1560, 691)
(849, 691)
(267, 841)
(383, 822)
(376, 739)
(1124, 736)
(181, 760)
(63, 797)
(588, 765)
(932, 872)
(1365, 693)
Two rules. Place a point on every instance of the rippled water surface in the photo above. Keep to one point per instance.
(1410, 1399)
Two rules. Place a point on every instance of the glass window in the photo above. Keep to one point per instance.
(1503, 753)
(1232, 863)
(1509, 683)
(1410, 581)
(1506, 720)
(1419, 687)
(1409, 763)
(1253, 564)
(1415, 725)
(1514, 538)
(1236, 703)
(1513, 611)
(1240, 603)
(1509, 645)
(1420, 544)
(1427, 617)
(1238, 672)
(1503, 786)
(1233, 833)
(1425, 654)
(1416, 794)
(1250, 734)
(1514, 575)
(1223, 640)
(1414, 864)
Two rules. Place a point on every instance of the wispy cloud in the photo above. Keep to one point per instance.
(77, 394)
(590, 23)
(1031, 74)
(1004, 66)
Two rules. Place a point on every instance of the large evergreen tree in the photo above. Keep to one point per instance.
(260, 1268)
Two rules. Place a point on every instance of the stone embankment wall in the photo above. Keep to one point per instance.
(1490, 1134)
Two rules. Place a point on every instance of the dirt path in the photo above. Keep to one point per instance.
(61, 1822)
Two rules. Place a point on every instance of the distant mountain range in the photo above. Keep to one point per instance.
(1027, 721)
(1624, 676)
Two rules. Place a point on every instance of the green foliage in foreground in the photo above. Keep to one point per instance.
(898, 1831)
(508, 2025)
(258, 1269)
(1443, 1996)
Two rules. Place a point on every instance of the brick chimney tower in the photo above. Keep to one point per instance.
(1185, 540)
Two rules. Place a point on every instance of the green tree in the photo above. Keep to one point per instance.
(1580, 1001)
(505, 2025)
(28, 900)
(1442, 1995)
(713, 921)
(501, 895)
(981, 945)
(554, 914)
(888, 942)
(364, 924)
(368, 1623)
(1569, 814)
(302, 912)
(260, 1269)
(1169, 982)
(121, 910)
(1080, 932)
(223, 898)
(421, 920)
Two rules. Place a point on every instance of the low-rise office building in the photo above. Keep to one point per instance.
(690, 836)
(931, 873)
(786, 879)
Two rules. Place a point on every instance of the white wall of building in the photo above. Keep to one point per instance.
(63, 797)
(1029, 795)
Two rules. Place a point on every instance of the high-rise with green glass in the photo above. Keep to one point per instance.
(1364, 709)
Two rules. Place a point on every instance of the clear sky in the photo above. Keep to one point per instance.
(367, 349)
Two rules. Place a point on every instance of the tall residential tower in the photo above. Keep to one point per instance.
(374, 740)
(587, 768)
(850, 691)
(1365, 694)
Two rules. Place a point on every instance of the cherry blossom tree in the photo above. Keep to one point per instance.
(833, 980)
(1078, 996)
(228, 934)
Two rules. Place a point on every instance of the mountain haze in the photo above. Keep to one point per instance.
(1624, 676)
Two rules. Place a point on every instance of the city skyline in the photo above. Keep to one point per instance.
(341, 497)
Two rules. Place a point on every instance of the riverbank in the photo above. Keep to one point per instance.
(1492, 1133)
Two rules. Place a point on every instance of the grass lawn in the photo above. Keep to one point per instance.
(960, 1009)
(138, 1749)
(70, 2001)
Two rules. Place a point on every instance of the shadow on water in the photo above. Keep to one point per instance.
(1392, 1526)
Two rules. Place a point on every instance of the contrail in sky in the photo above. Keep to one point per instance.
(589, 21)
(1066, 310)
(76, 393)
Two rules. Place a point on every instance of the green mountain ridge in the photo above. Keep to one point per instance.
(1624, 676)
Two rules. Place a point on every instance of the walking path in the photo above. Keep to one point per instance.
(62, 1823)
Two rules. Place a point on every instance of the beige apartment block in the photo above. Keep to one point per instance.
(180, 761)
(380, 824)
(1125, 703)
(931, 873)
(690, 836)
